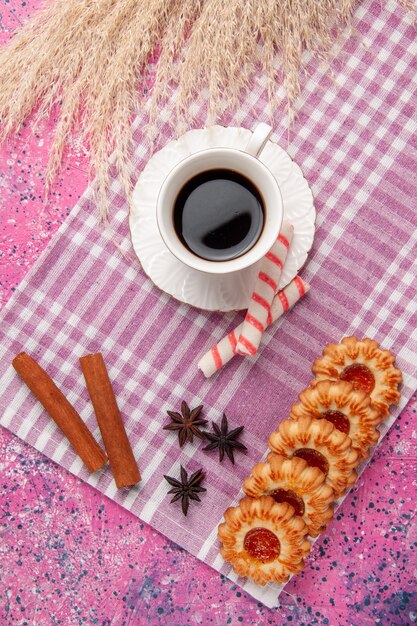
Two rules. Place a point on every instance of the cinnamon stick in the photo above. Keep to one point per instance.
(122, 461)
(61, 411)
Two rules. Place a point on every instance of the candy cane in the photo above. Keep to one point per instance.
(225, 350)
(259, 311)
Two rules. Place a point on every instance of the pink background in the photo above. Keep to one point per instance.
(70, 556)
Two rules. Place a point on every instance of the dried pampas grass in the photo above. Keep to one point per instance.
(89, 60)
(88, 57)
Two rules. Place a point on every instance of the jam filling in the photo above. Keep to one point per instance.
(262, 544)
(287, 495)
(313, 458)
(359, 376)
(338, 419)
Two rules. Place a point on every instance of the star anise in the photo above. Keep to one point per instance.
(224, 440)
(187, 423)
(186, 489)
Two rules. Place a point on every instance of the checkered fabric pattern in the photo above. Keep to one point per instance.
(356, 142)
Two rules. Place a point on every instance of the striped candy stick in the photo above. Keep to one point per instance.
(259, 311)
(225, 350)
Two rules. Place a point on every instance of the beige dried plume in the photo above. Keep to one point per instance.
(88, 61)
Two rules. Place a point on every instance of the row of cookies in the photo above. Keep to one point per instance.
(313, 460)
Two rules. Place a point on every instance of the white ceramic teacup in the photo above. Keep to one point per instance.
(244, 162)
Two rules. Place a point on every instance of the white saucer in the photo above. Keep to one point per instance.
(225, 292)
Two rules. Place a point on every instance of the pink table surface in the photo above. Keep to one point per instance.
(70, 556)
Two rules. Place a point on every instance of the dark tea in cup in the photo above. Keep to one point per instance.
(220, 209)
(219, 214)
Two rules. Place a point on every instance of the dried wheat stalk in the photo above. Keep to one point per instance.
(88, 58)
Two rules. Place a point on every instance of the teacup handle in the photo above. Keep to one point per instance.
(259, 138)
